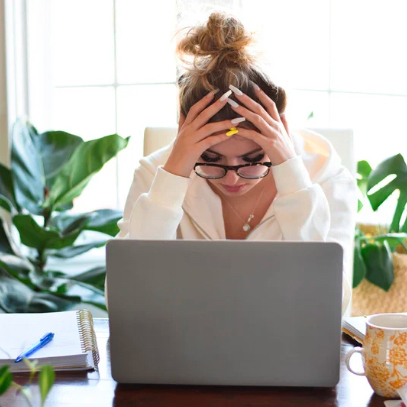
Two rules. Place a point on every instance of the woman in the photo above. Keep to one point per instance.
(258, 181)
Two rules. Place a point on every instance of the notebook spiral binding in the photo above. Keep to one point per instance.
(87, 336)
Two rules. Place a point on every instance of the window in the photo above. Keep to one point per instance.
(96, 67)
(343, 60)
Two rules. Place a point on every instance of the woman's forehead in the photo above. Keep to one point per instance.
(235, 146)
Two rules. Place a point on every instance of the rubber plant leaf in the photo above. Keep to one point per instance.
(87, 160)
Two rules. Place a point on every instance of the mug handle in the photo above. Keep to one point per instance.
(347, 360)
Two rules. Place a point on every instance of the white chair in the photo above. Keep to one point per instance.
(341, 139)
(157, 137)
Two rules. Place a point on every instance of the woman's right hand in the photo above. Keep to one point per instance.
(195, 135)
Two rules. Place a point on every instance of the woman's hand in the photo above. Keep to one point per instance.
(195, 135)
(273, 133)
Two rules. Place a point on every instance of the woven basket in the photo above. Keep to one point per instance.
(368, 299)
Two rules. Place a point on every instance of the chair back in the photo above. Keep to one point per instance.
(341, 139)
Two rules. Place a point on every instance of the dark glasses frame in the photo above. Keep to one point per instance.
(235, 168)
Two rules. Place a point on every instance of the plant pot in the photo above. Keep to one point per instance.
(368, 299)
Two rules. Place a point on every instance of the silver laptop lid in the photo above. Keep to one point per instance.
(225, 312)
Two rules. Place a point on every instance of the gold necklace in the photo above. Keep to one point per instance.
(246, 226)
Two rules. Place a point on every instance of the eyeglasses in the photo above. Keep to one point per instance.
(247, 171)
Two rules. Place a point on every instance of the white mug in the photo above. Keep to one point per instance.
(384, 353)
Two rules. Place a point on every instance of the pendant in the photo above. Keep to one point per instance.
(246, 226)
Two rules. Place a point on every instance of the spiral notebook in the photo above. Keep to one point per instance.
(73, 347)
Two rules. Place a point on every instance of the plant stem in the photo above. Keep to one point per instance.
(41, 252)
(41, 259)
(21, 388)
(47, 216)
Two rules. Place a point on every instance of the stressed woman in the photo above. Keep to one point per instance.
(235, 170)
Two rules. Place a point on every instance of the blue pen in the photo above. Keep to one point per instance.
(40, 344)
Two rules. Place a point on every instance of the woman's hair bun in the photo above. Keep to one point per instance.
(222, 41)
(217, 54)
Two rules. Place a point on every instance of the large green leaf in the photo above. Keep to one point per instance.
(379, 264)
(86, 161)
(26, 167)
(95, 277)
(360, 205)
(105, 221)
(92, 288)
(7, 200)
(17, 267)
(96, 300)
(72, 251)
(6, 204)
(88, 295)
(46, 280)
(56, 148)
(5, 378)
(65, 222)
(17, 297)
(392, 166)
(46, 380)
(33, 235)
(6, 245)
(401, 204)
(364, 169)
(101, 220)
(393, 239)
(359, 267)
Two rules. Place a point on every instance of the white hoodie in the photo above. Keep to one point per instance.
(316, 201)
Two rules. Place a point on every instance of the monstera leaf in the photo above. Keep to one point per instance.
(363, 171)
(392, 166)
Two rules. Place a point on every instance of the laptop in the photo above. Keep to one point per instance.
(225, 312)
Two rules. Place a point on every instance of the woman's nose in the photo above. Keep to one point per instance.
(231, 177)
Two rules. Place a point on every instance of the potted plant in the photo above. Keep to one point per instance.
(48, 171)
(380, 252)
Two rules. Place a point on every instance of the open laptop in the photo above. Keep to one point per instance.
(230, 312)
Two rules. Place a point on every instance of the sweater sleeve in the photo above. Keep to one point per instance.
(324, 211)
(153, 207)
(154, 214)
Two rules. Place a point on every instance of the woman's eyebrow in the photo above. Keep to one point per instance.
(240, 156)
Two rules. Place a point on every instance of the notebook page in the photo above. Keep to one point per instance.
(18, 332)
(356, 325)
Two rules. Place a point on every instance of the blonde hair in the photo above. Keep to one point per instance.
(219, 54)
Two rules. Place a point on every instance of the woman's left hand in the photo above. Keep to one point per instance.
(273, 133)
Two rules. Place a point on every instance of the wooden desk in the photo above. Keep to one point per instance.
(98, 389)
